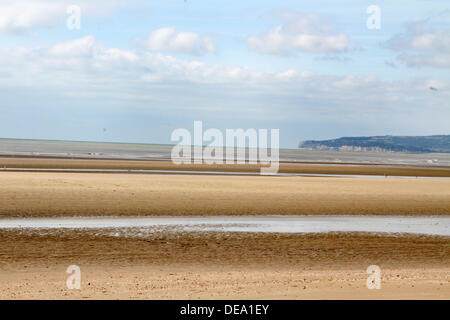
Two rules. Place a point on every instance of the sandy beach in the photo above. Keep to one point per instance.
(33, 194)
(180, 150)
(170, 264)
(222, 266)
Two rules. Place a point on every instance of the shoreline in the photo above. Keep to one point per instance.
(226, 173)
(141, 227)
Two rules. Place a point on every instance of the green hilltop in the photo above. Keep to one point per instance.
(411, 144)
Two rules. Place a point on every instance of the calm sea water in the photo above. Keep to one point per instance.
(279, 224)
(73, 149)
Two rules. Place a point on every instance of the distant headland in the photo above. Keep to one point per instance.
(411, 144)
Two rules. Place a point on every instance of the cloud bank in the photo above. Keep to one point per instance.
(83, 67)
(303, 33)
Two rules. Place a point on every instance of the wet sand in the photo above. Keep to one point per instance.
(222, 265)
(311, 168)
(39, 194)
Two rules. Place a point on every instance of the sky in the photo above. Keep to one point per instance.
(134, 71)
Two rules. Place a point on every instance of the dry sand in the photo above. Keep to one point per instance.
(223, 266)
(28, 194)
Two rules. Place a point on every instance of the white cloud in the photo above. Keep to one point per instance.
(169, 40)
(300, 33)
(21, 16)
(423, 46)
(18, 16)
(86, 58)
(87, 74)
(82, 46)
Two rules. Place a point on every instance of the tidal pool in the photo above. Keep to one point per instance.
(432, 225)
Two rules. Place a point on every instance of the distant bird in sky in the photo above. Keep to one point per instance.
(433, 88)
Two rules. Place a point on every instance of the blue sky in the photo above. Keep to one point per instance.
(141, 69)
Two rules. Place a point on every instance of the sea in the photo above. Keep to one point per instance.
(133, 151)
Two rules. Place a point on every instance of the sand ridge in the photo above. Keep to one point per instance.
(35, 194)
